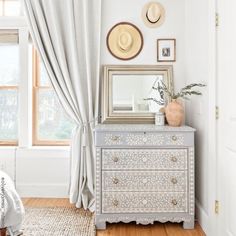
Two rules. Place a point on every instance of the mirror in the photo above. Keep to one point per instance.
(129, 92)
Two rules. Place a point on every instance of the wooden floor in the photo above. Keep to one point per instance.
(121, 229)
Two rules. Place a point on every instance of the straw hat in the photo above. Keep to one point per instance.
(153, 14)
(124, 41)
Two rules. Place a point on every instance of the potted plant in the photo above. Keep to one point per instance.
(174, 110)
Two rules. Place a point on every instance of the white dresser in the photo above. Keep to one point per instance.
(144, 173)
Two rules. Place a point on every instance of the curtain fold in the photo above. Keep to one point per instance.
(67, 37)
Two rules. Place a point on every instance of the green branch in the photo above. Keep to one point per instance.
(184, 93)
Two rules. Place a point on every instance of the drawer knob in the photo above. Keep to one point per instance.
(174, 202)
(115, 203)
(173, 159)
(115, 138)
(174, 181)
(115, 159)
(115, 181)
(174, 138)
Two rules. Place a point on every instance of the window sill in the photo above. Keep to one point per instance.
(56, 148)
(8, 147)
(46, 147)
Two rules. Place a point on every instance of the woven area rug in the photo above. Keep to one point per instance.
(58, 221)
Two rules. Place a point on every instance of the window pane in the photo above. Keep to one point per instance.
(9, 65)
(53, 124)
(44, 80)
(10, 7)
(8, 114)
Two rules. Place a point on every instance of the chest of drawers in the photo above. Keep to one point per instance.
(144, 173)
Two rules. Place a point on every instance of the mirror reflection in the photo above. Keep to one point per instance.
(131, 93)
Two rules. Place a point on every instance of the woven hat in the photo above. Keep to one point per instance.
(124, 41)
(153, 14)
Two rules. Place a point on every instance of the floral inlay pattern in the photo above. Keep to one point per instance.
(144, 139)
(167, 181)
(144, 219)
(142, 128)
(191, 182)
(133, 202)
(98, 180)
(144, 159)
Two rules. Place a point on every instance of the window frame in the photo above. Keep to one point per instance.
(35, 88)
(9, 142)
(25, 88)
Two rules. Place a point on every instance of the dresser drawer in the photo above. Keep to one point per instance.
(141, 202)
(144, 139)
(166, 181)
(152, 159)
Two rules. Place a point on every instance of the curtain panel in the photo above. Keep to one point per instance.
(67, 37)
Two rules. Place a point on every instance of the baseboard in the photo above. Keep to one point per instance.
(202, 218)
(43, 190)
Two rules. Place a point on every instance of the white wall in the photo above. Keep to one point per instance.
(37, 171)
(200, 68)
(130, 11)
(42, 172)
(7, 160)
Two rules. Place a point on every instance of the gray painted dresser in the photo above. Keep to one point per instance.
(144, 173)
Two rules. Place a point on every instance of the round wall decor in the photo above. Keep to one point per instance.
(124, 41)
(153, 14)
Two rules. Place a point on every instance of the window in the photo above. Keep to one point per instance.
(51, 126)
(10, 7)
(9, 78)
(26, 118)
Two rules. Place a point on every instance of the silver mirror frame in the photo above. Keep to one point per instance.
(110, 117)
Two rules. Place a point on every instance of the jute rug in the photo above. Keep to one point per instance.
(58, 221)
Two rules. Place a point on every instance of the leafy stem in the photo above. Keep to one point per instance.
(184, 93)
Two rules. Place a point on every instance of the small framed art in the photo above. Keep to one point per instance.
(166, 50)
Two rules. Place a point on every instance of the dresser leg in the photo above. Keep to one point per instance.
(188, 224)
(101, 225)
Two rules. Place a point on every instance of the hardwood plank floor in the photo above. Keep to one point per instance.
(157, 229)
(122, 229)
(132, 229)
(47, 202)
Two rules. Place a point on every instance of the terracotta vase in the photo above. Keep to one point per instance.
(3, 232)
(174, 113)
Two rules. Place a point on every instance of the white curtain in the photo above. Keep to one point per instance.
(67, 36)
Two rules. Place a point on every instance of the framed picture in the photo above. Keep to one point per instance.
(166, 50)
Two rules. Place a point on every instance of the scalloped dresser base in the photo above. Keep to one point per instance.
(188, 221)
